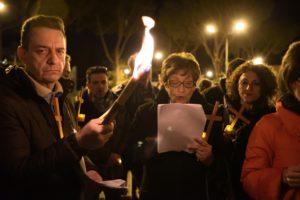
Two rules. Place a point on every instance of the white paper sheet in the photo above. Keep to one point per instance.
(115, 184)
(178, 126)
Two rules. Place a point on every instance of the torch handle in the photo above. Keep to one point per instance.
(111, 113)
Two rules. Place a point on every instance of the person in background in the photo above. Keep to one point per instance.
(253, 86)
(177, 175)
(97, 99)
(38, 159)
(272, 165)
(143, 93)
(218, 92)
(65, 80)
(204, 84)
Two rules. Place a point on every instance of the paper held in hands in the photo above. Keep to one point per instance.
(114, 184)
(178, 126)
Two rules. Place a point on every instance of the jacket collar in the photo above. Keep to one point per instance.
(290, 119)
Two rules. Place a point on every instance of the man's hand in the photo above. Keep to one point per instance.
(94, 134)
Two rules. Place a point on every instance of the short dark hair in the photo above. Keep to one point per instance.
(95, 70)
(180, 61)
(53, 22)
(289, 70)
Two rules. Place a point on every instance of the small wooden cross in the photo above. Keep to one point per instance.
(58, 117)
(238, 115)
(211, 118)
(80, 117)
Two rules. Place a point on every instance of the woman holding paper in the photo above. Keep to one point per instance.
(196, 172)
(271, 169)
(251, 90)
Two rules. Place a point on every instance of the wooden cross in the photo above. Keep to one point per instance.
(128, 195)
(211, 118)
(238, 115)
(58, 117)
(80, 117)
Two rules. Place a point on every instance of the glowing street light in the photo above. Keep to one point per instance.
(158, 55)
(2, 6)
(238, 27)
(211, 29)
(209, 74)
(258, 60)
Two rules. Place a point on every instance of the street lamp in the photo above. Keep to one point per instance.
(238, 27)
(2, 6)
(258, 60)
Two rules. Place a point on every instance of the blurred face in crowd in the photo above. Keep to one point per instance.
(44, 59)
(296, 89)
(180, 87)
(249, 87)
(98, 85)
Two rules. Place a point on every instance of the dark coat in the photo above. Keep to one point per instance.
(216, 93)
(35, 163)
(242, 133)
(176, 175)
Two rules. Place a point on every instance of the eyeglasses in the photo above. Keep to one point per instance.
(176, 84)
(246, 83)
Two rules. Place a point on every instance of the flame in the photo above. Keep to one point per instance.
(143, 60)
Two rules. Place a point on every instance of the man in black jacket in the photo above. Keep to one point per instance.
(38, 159)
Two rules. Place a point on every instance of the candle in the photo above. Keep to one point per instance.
(129, 184)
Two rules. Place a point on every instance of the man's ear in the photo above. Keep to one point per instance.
(21, 52)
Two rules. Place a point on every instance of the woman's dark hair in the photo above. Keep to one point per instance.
(265, 75)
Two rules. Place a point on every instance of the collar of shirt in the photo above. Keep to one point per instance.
(45, 92)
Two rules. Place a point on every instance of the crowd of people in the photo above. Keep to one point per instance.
(55, 146)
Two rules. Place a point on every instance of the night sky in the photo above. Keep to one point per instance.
(85, 48)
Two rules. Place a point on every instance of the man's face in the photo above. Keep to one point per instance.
(98, 85)
(44, 59)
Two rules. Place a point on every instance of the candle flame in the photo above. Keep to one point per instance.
(143, 60)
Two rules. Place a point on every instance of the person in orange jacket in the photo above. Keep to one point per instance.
(271, 169)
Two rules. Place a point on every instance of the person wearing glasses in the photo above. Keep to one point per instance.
(178, 175)
(272, 166)
(254, 87)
